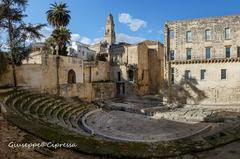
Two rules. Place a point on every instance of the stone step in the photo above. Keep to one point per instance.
(18, 103)
(53, 109)
(57, 116)
(75, 110)
(44, 104)
(30, 101)
(40, 104)
(17, 109)
(6, 89)
(47, 109)
(50, 106)
(20, 112)
(66, 115)
(10, 107)
(12, 96)
(6, 92)
(32, 106)
(78, 120)
(26, 97)
(78, 117)
(74, 115)
(58, 113)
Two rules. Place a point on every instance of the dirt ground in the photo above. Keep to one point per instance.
(10, 133)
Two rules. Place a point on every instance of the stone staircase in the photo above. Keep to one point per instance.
(47, 108)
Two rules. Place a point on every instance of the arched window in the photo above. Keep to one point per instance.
(71, 77)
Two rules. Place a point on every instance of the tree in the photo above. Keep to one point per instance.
(11, 20)
(62, 37)
(58, 15)
(50, 45)
(3, 63)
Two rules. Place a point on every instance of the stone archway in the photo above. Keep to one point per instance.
(71, 76)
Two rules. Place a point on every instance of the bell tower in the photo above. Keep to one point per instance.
(109, 35)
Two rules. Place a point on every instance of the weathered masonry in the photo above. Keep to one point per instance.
(206, 51)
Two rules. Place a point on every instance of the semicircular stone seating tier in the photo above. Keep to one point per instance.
(46, 107)
(113, 133)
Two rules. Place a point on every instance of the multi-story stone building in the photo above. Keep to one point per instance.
(117, 69)
(206, 50)
(136, 68)
(81, 50)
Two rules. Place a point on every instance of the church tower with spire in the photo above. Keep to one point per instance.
(109, 35)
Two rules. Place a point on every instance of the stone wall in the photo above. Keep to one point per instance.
(145, 60)
(43, 76)
(27, 75)
(89, 91)
(154, 71)
(95, 72)
(217, 91)
(198, 27)
(143, 70)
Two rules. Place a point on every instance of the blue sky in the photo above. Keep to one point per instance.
(134, 19)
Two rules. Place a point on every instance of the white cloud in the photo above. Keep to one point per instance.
(47, 31)
(97, 40)
(125, 18)
(84, 39)
(75, 37)
(134, 24)
(121, 37)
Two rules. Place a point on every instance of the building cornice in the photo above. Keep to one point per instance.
(198, 61)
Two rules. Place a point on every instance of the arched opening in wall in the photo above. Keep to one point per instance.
(71, 77)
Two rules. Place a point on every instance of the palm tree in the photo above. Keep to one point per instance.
(58, 15)
(11, 20)
(62, 37)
